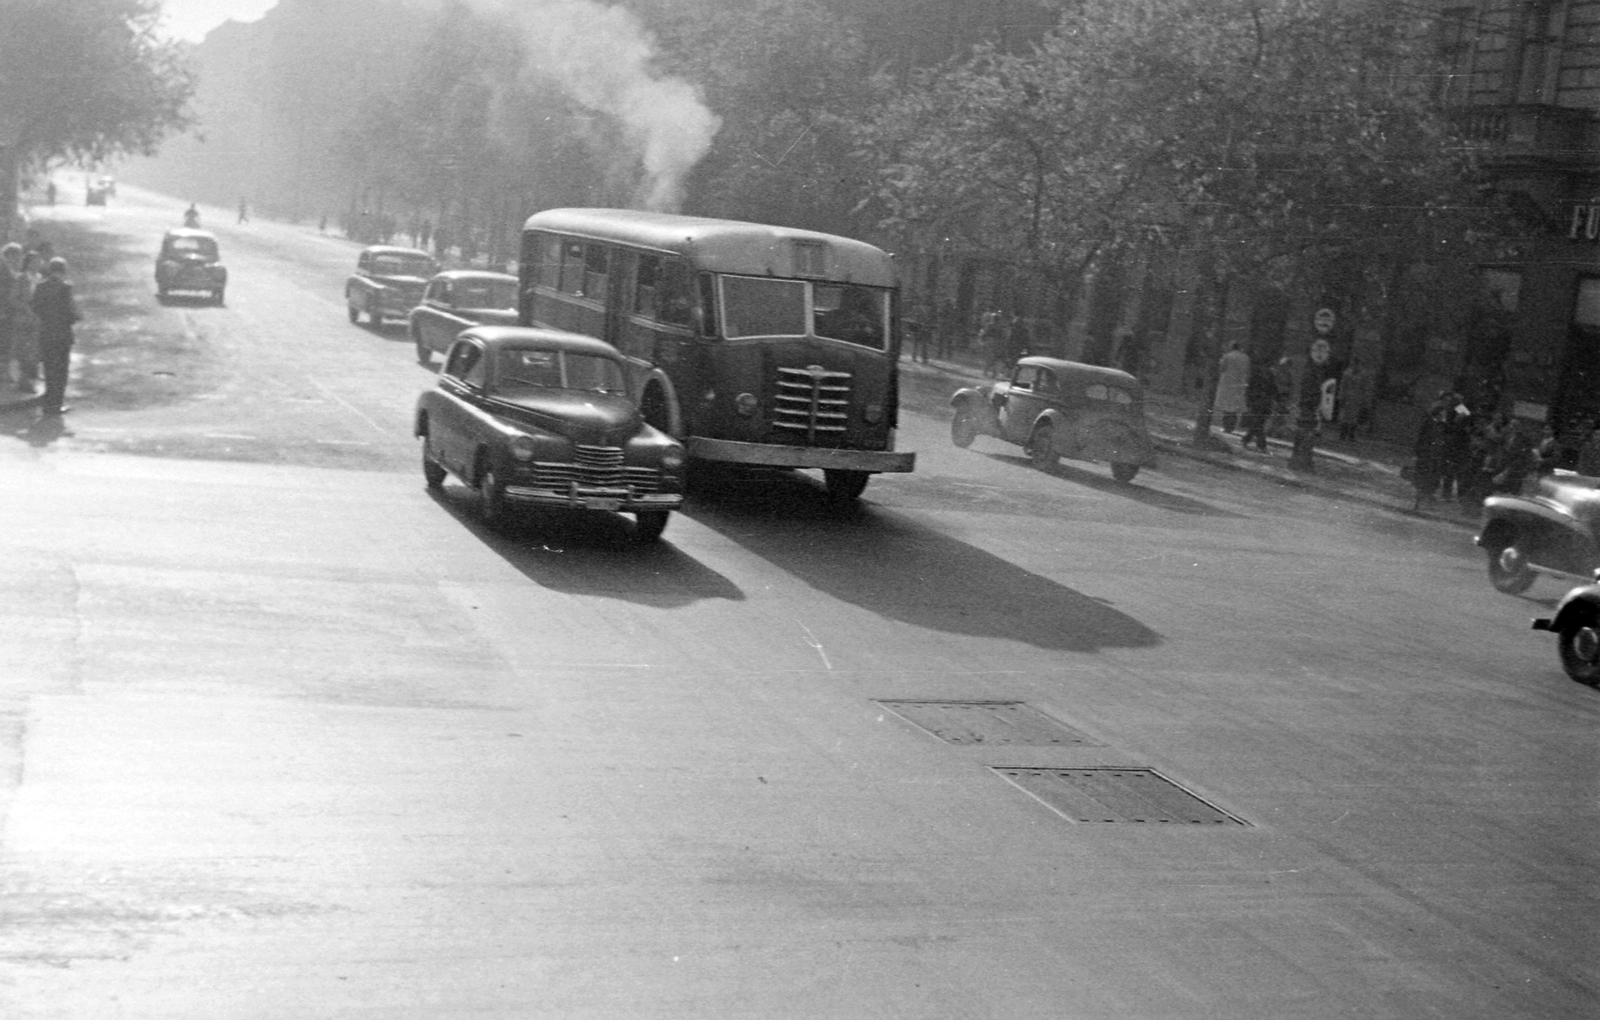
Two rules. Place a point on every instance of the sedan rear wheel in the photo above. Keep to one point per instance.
(845, 486)
(1124, 472)
(432, 471)
(1509, 571)
(1580, 649)
(649, 524)
(1041, 448)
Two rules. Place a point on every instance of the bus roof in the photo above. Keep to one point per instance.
(726, 246)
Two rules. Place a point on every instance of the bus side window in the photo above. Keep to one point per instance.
(572, 267)
(549, 256)
(644, 292)
(675, 294)
(596, 265)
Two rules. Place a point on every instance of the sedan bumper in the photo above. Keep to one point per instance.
(578, 497)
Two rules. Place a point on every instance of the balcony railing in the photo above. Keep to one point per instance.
(1529, 133)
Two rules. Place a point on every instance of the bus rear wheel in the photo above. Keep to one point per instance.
(844, 486)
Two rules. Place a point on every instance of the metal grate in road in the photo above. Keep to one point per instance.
(986, 722)
(1116, 795)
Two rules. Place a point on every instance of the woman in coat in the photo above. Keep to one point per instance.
(1233, 379)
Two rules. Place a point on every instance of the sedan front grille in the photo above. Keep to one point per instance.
(595, 467)
(812, 402)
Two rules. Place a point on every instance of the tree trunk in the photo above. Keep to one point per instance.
(1209, 310)
(8, 193)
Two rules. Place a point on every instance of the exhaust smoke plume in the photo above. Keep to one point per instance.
(601, 56)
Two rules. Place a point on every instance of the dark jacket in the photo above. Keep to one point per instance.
(53, 304)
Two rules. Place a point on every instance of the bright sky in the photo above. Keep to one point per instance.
(192, 19)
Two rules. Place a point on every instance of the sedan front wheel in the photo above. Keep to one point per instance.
(963, 427)
(491, 499)
(432, 471)
(649, 524)
(1509, 571)
(1580, 649)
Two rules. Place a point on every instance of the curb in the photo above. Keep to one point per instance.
(1183, 448)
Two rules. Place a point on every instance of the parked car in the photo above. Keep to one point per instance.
(545, 418)
(94, 193)
(457, 299)
(388, 282)
(190, 261)
(1054, 408)
(1549, 529)
(1576, 624)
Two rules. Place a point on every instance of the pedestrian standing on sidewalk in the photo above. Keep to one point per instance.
(1429, 465)
(1233, 378)
(1260, 398)
(10, 274)
(57, 311)
(1355, 399)
(25, 326)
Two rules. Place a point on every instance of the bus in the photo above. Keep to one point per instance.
(751, 344)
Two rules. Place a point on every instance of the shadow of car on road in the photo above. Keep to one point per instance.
(584, 552)
(887, 564)
(1157, 498)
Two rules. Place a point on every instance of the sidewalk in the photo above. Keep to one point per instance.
(1364, 471)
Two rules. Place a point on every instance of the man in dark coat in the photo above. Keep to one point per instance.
(53, 304)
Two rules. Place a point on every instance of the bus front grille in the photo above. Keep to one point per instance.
(812, 402)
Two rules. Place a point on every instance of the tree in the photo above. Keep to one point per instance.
(1252, 137)
(84, 80)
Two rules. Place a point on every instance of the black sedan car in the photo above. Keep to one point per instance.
(545, 418)
(1549, 528)
(189, 261)
(457, 299)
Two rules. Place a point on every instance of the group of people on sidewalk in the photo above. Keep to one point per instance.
(1466, 456)
(1256, 398)
(37, 312)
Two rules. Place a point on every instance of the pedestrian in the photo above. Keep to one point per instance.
(1260, 399)
(1456, 457)
(322, 224)
(10, 274)
(425, 235)
(25, 324)
(1233, 378)
(1429, 464)
(1019, 340)
(1355, 399)
(917, 331)
(57, 311)
(991, 344)
(244, 210)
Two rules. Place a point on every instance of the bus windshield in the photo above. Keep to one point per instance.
(756, 306)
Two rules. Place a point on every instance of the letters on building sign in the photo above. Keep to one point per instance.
(1585, 225)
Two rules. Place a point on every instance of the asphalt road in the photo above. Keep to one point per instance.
(286, 736)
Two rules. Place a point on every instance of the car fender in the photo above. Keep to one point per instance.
(1505, 516)
(1582, 601)
(658, 379)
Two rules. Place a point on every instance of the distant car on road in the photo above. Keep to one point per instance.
(457, 299)
(190, 261)
(1054, 408)
(95, 193)
(545, 418)
(1551, 529)
(388, 282)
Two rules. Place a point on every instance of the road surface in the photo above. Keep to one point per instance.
(287, 736)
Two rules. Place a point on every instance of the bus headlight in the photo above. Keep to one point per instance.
(522, 448)
(874, 413)
(746, 403)
(672, 460)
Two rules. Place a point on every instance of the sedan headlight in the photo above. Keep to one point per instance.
(746, 403)
(672, 460)
(522, 448)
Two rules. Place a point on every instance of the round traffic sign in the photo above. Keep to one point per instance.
(1323, 321)
(1320, 352)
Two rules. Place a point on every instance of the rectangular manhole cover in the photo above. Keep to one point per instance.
(1116, 795)
(986, 722)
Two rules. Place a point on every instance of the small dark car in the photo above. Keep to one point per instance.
(1549, 529)
(1576, 624)
(457, 299)
(388, 282)
(545, 418)
(1054, 408)
(189, 261)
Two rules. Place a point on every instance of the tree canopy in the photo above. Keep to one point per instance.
(85, 80)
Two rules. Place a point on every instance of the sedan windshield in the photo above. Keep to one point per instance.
(528, 370)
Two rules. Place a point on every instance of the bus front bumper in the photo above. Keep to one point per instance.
(727, 451)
